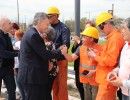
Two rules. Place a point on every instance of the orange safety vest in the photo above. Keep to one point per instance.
(87, 63)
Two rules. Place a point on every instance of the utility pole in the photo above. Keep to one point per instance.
(77, 17)
(18, 11)
(112, 10)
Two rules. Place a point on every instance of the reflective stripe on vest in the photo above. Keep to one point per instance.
(88, 67)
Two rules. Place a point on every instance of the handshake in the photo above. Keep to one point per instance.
(63, 49)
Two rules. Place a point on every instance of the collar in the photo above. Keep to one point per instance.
(53, 25)
(37, 30)
(113, 32)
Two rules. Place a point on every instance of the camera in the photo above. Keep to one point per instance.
(72, 38)
(85, 72)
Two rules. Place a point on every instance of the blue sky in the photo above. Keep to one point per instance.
(28, 8)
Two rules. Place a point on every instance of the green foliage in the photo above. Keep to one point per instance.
(82, 23)
(69, 52)
(101, 42)
(118, 21)
(70, 24)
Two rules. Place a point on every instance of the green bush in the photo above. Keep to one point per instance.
(69, 52)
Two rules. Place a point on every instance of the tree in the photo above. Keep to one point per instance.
(118, 21)
(70, 24)
(83, 22)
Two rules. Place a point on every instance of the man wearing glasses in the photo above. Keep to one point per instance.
(108, 59)
(62, 37)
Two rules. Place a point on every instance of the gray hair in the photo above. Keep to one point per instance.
(50, 34)
(111, 21)
(127, 22)
(39, 17)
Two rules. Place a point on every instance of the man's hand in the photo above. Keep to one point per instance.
(90, 74)
(114, 79)
(76, 39)
(15, 48)
(111, 76)
(61, 47)
(91, 52)
(64, 49)
(117, 82)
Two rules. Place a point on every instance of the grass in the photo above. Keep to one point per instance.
(69, 52)
(101, 42)
(71, 45)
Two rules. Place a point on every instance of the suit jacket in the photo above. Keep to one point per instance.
(33, 68)
(6, 51)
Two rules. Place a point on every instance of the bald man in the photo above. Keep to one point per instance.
(7, 58)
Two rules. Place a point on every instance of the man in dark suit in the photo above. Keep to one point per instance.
(33, 69)
(7, 58)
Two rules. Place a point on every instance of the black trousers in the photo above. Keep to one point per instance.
(79, 85)
(119, 94)
(35, 92)
(7, 74)
(49, 87)
(39, 92)
(0, 86)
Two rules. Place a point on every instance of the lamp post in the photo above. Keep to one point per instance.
(77, 17)
(112, 10)
(24, 22)
(18, 11)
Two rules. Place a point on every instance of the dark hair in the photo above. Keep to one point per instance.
(93, 24)
(111, 21)
(95, 40)
(15, 26)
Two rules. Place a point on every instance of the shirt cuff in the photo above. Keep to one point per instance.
(116, 70)
(125, 83)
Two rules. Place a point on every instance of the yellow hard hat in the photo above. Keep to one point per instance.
(102, 17)
(53, 10)
(91, 32)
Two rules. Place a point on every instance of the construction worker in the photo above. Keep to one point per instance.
(77, 43)
(87, 66)
(108, 59)
(62, 37)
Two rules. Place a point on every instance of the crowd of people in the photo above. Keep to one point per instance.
(36, 61)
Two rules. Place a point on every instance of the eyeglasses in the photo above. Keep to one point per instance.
(50, 16)
(102, 25)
